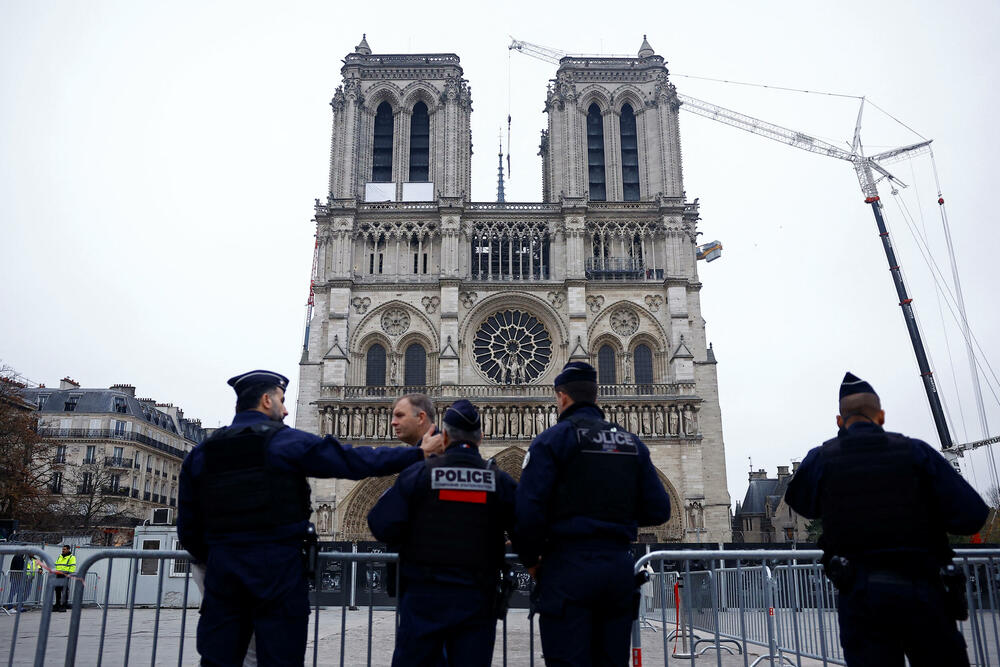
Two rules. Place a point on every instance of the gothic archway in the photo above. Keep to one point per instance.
(357, 505)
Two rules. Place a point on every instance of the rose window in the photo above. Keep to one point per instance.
(512, 347)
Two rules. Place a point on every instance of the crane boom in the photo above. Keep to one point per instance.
(864, 167)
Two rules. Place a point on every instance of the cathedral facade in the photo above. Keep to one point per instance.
(418, 288)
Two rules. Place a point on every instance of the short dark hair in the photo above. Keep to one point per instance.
(863, 405)
(250, 399)
(420, 403)
(580, 391)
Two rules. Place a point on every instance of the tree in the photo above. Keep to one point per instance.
(814, 529)
(24, 456)
(92, 498)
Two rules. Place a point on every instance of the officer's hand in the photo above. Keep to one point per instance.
(432, 443)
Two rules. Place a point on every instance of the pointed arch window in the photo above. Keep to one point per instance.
(630, 155)
(420, 144)
(415, 369)
(595, 154)
(375, 366)
(382, 147)
(643, 359)
(606, 366)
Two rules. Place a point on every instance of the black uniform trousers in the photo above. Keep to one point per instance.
(258, 590)
(585, 599)
(886, 614)
(443, 624)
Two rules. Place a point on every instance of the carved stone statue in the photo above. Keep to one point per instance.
(500, 423)
(383, 423)
(539, 419)
(674, 421)
(343, 423)
(633, 419)
(553, 416)
(647, 424)
(690, 420)
(369, 422)
(658, 421)
(357, 423)
(514, 422)
(487, 418)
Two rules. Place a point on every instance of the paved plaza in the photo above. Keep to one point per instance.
(168, 644)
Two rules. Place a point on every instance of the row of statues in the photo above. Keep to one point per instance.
(518, 421)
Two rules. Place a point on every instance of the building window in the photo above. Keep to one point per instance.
(630, 155)
(70, 404)
(606, 371)
(86, 483)
(415, 371)
(595, 153)
(179, 566)
(510, 251)
(60, 454)
(91, 455)
(119, 428)
(420, 143)
(375, 367)
(120, 404)
(382, 149)
(42, 398)
(512, 347)
(56, 483)
(643, 358)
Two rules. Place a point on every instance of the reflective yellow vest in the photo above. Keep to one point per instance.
(66, 564)
(32, 567)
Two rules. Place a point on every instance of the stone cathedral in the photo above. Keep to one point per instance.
(420, 288)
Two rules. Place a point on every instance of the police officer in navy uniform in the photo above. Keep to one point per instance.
(888, 503)
(243, 511)
(448, 515)
(585, 487)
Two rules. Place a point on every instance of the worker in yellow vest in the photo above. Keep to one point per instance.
(65, 566)
(31, 569)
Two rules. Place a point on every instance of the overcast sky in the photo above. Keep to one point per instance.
(159, 161)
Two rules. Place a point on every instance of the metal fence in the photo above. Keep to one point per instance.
(779, 604)
(761, 607)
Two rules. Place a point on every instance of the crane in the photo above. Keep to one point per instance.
(866, 168)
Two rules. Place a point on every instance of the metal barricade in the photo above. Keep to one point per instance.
(782, 603)
(350, 581)
(21, 593)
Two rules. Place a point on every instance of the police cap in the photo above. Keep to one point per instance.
(852, 384)
(252, 380)
(463, 415)
(576, 371)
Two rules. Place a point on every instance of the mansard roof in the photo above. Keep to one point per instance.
(102, 401)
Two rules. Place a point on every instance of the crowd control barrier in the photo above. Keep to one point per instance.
(761, 607)
(776, 608)
(22, 592)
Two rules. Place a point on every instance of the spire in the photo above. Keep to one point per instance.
(363, 47)
(645, 50)
(500, 197)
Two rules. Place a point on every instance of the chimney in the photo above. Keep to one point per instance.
(760, 474)
(125, 389)
(68, 383)
(795, 466)
(783, 472)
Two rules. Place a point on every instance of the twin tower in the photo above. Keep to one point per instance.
(420, 288)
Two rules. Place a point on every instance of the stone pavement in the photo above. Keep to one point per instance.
(168, 640)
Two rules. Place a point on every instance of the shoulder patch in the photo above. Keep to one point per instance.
(463, 479)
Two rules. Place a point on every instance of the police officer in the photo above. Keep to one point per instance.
(65, 567)
(585, 487)
(448, 515)
(887, 503)
(243, 511)
(412, 416)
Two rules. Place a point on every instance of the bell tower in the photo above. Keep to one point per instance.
(401, 128)
(612, 130)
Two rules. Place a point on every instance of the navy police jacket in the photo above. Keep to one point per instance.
(551, 454)
(913, 493)
(291, 450)
(394, 519)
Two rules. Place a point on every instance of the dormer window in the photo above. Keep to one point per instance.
(120, 405)
(71, 403)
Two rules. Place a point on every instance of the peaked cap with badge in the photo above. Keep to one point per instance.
(463, 414)
(244, 383)
(576, 371)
